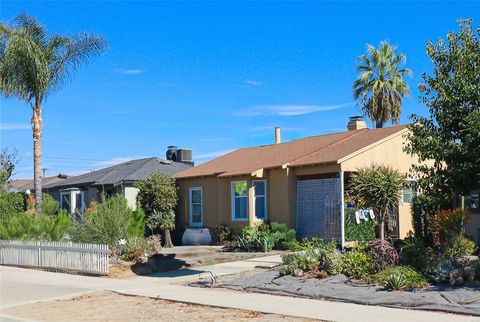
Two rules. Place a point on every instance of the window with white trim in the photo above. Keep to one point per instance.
(196, 205)
(260, 199)
(239, 200)
(409, 191)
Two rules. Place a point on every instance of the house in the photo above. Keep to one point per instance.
(301, 183)
(76, 193)
(26, 185)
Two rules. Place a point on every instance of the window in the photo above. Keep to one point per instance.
(239, 201)
(409, 191)
(472, 201)
(260, 200)
(65, 202)
(79, 200)
(196, 211)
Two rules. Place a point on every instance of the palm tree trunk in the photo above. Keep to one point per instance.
(379, 124)
(37, 125)
(382, 230)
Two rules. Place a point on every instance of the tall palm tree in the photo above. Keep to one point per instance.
(380, 87)
(33, 65)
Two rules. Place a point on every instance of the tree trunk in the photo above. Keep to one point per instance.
(168, 239)
(379, 124)
(37, 125)
(382, 230)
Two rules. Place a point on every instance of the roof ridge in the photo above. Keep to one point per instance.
(331, 144)
(146, 160)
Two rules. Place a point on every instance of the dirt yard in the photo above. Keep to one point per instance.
(109, 306)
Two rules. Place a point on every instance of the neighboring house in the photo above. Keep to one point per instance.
(77, 193)
(301, 183)
(26, 185)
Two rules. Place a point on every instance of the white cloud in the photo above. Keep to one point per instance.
(253, 82)
(14, 126)
(129, 71)
(116, 160)
(211, 155)
(288, 110)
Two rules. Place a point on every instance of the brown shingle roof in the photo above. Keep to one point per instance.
(22, 185)
(310, 150)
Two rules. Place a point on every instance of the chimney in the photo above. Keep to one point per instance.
(278, 138)
(356, 123)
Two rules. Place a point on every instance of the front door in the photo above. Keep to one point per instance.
(196, 207)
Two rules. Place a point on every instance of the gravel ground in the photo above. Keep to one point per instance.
(110, 306)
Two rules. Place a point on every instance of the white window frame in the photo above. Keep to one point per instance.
(232, 200)
(264, 198)
(405, 181)
(190, 205)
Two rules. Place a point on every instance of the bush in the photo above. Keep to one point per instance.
(440, 269)
(365, 231)
(222, 235)
(11, 204)
(36, 227)
(398, 277)
(357, 264)
(383, 254)
(458, 247)
(107, 223)
(448, 224)
(264, 238)
(305, 260)
(414, 252)
(50, 207)
(284, 237)
(422, 208)
(137, 226)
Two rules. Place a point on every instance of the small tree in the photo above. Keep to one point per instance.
(377, 187)
(158, 197)
(8, 161)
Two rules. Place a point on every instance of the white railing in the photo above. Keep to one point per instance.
(86, 258)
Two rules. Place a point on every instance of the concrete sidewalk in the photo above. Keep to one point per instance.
(160, 286)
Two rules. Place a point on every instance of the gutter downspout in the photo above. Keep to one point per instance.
(342, 208)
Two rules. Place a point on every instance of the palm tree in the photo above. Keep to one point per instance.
(381, 87)
(33, 65)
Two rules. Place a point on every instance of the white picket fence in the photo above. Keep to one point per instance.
(86, 258)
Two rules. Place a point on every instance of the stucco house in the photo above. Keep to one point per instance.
(301, 183)
(76, 193)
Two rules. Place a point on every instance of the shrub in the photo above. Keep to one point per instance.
(284, 236)
(264, 237)
(408, 277)
(11, 204)
(36, 227)
(137, 226)
(458, 247)
(49, 206)
(448, 224)
(439, 269)
(222, 234)
(357, 264)
(106, 224)
(422, 208)
(414, 252)
(365, 231)
(305, 260)
(383, 254)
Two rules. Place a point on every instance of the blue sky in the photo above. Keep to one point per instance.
(213, 76)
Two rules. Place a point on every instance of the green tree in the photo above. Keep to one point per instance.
(8, 161)
(377, 187)
(446, 141)
(158, 197)
(33, 65)
(380, 87)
